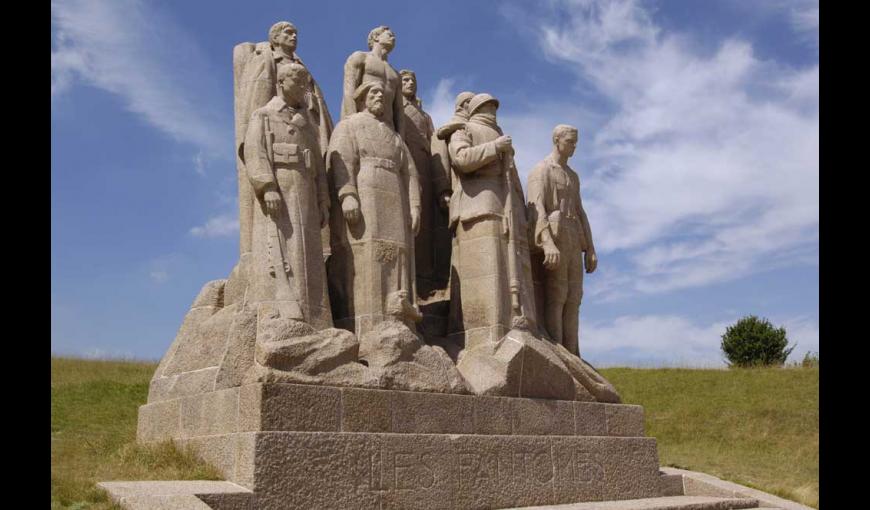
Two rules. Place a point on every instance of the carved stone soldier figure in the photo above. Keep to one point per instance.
(562, 237)
(418, 136)
(376, 184)
(255, 80)
(491, 286)
(364, 66)
(285, 169)
(441, 156)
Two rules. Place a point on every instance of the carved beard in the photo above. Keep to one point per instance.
(376, 109)
(487, 119)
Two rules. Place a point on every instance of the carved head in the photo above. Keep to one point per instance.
(565, 139)
(373, 93)
(409, 83)
(384, 36)
(484, 105)
(461, 106)
(283, 35)
(293, 81)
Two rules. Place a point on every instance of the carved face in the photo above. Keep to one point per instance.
(293, 88)
(409, 85)
(387, 39)
(487, 109)
(375, 100)
(567, 143)
(287, 39)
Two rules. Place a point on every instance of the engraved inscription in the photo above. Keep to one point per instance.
(500, 467)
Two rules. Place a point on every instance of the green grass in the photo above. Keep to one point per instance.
(756, 427)
(94, 407)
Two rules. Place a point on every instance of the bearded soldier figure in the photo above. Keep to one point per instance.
(562, 237)
(379, 195)
(491, 285)
(284, 166)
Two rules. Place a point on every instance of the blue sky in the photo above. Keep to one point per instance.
(698, 153)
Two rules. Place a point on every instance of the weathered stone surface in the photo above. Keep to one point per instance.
(542, 417)
(180, 495)
(366, 410)
(663, 503)
(334, 470)
(159, 421)
(239, 356)
(520, 365)
(590, 419)
(593, 383)
(703, 484)
(403, 362)
(624, 420)
(307, 407)
(311, 353)
(212, 413)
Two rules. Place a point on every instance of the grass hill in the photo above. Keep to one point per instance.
(757, 427)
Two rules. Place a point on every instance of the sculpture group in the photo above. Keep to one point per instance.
(384, 252)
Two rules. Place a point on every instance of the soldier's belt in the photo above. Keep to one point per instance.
(288, 153)
(373, 162)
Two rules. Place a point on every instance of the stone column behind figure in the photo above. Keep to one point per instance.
(562, 240)
(376, 184)
(285, 169)
(482, 277)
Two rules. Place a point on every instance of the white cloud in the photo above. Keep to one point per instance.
(129, 48)
(159, 276)
(705, 167)
(671, 340)
(218, 226)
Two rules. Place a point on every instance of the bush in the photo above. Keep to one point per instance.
(811, 360)
(753, 342)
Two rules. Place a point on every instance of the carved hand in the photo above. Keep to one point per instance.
(591, 261)
(444, 202)
(551, 256)
(415, 220)
(350, 207)
(273, 201)
(504, 144)
(324, 214)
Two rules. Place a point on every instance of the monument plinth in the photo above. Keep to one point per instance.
(306, 446)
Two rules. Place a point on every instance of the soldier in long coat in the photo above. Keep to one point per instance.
(285, 169)
(255, 83)
(562, 240)
(379, 195)
(491, 285)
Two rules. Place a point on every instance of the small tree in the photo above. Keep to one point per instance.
(755, 342)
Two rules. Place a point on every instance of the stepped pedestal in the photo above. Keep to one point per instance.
(300, 446)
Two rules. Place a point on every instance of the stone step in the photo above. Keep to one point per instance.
(179, 495)
(663, 503)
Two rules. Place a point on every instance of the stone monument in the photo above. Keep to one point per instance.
(298, 410)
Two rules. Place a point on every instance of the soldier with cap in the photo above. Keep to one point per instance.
(562, 237)
(284, 166)
(376, 185)
(491, 286)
